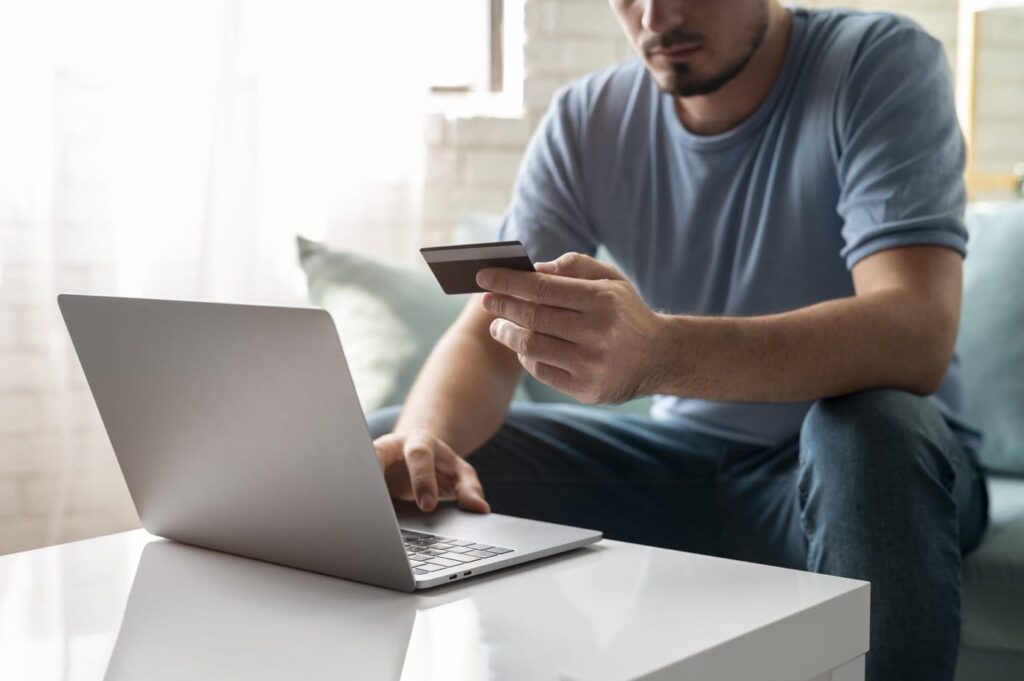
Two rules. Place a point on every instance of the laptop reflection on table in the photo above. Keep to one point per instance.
(199, 614)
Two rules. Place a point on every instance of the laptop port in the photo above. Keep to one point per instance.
(452, 577)
(467, 574)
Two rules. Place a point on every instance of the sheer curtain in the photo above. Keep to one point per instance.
(174, 149)
(171, 149)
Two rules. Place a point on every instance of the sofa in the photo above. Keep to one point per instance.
(390, 316)
(991, 349)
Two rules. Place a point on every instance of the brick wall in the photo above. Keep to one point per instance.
(58, 477)
(1000, 104)
(471, 161)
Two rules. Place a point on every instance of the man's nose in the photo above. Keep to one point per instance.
(661, 15)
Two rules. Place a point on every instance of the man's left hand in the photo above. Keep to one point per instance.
(577, 325)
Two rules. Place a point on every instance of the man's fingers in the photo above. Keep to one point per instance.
(469, 493)
(557, 378)
(536, 346)
(553, 321)
(419, 459)
(389, 450)
(579, 266)
(556, 291)
(430, 470)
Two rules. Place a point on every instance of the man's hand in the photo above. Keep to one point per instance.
(419, 467)
(577, 325)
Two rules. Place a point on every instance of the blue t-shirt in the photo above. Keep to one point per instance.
(856, 149)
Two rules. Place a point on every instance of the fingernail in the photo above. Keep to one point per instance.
(483, 278)
(495, 327)
(425, 500)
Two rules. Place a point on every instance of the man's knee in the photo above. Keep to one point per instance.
(870, 414)
(382, 421)
(874, 434)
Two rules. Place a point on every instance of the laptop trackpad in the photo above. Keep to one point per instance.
(492, 528)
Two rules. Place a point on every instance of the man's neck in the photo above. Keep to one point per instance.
(735, 101)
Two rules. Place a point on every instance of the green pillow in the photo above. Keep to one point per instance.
(991, 342)
(388, 318)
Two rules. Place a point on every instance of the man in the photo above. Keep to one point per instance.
(782, 189)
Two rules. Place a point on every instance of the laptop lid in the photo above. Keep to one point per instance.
(238, 428)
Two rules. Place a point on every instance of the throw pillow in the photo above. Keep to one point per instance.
(991, 342)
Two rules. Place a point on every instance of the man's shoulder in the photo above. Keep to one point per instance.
(849, 36)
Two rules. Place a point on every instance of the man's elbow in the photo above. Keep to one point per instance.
(928, 383)
(932, 356)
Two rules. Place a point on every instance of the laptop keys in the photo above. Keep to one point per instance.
(443, 562)
(430, 552)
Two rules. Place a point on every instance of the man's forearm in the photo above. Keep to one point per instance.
(885, 338)
(462, 394)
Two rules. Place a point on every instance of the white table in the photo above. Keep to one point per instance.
(131, 606)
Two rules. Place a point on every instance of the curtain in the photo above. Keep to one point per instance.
(175, 149)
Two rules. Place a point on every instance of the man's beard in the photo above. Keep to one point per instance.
(685, 83)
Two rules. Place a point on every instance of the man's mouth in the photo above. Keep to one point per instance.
(676, 53)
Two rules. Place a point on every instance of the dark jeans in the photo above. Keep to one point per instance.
(877, 487)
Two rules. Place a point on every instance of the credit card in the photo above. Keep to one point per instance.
(456, 266)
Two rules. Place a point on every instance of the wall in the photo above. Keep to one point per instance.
(58, 477)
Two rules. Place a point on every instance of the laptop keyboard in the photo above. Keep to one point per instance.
(429, 553)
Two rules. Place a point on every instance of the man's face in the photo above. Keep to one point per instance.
(694, 47)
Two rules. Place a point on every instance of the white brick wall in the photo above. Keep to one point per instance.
(58, 476)
(576, 18)
(1000, 103)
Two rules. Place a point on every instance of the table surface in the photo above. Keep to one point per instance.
(133, 606)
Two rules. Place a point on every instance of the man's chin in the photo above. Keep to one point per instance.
(684, 82)
(689, 87)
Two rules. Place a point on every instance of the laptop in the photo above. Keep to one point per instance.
(238, 428)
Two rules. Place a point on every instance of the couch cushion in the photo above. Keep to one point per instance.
(994, 574)
(991, 343)
(388, 318)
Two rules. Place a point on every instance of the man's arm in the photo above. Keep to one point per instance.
(462, 394)
(459, 400)
(583, 329)
(898, 331)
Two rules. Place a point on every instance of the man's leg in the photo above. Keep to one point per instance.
(887, 494)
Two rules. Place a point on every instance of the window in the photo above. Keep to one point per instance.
(469, 54)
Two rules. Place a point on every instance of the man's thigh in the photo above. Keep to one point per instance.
(642, 481)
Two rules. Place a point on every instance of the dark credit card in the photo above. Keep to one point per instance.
(456, 266)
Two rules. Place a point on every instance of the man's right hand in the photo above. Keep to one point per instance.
(419, 467)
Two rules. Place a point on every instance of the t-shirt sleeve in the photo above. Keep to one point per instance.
(547, 212)
(900, 150)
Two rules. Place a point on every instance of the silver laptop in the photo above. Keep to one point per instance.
(237, 428)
